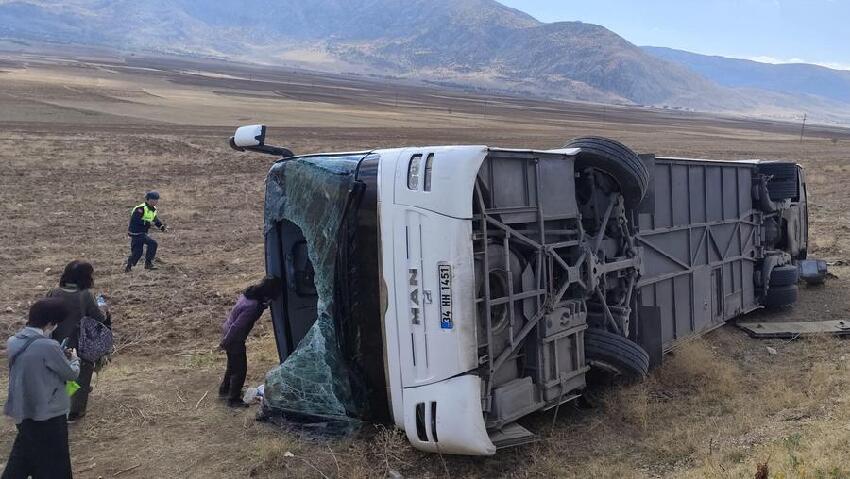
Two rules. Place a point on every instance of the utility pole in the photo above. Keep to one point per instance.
(803, 129)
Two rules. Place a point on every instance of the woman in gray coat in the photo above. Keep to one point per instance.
(38, 402)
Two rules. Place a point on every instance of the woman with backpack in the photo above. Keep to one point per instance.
(235, 329)
(75, 291)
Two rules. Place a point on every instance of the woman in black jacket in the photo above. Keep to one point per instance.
(75, 290)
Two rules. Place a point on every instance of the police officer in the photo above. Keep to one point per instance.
(141, 219)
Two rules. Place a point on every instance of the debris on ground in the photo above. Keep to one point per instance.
(254, 394)
(814, 271)
(795, 329)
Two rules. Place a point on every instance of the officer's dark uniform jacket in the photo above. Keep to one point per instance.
(141, 219)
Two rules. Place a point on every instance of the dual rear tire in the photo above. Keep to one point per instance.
(785, 275)
(781, 296)
(782, 287)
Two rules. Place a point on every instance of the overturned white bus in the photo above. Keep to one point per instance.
(464, 287)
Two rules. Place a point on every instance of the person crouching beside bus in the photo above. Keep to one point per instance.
(235, 329)
(38, 371)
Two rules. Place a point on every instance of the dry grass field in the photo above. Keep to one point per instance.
(82, 140)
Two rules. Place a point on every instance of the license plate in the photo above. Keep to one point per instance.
(444, 273)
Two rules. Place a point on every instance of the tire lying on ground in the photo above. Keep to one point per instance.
(616, 160)
(615, 354)
(785, 275)
(781, 296)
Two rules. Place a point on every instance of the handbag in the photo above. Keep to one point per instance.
(95, 339)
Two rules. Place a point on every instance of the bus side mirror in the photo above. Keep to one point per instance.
(249, 136)
(253, 138)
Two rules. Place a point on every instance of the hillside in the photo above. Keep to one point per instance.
(468, 43)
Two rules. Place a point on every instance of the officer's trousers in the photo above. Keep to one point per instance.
(137, 245)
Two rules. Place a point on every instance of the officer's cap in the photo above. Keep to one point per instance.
(152, 195)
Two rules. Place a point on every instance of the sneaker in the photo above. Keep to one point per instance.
(150, 266)
(128, 268)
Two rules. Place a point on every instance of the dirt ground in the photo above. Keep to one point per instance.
(82, 140)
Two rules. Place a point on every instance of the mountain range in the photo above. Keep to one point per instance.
(797, 78)
(467, 43)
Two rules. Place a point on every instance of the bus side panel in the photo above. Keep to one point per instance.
(699, 246)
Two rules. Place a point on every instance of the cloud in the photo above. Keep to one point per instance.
(779, 61)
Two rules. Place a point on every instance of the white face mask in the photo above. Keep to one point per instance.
(48, 330)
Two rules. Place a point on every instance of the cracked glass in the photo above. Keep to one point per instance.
(314, 382)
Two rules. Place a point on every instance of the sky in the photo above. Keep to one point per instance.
(773, 31)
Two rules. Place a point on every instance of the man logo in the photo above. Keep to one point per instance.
(414, 296)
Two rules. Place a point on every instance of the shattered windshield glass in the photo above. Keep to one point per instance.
(314, 382)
